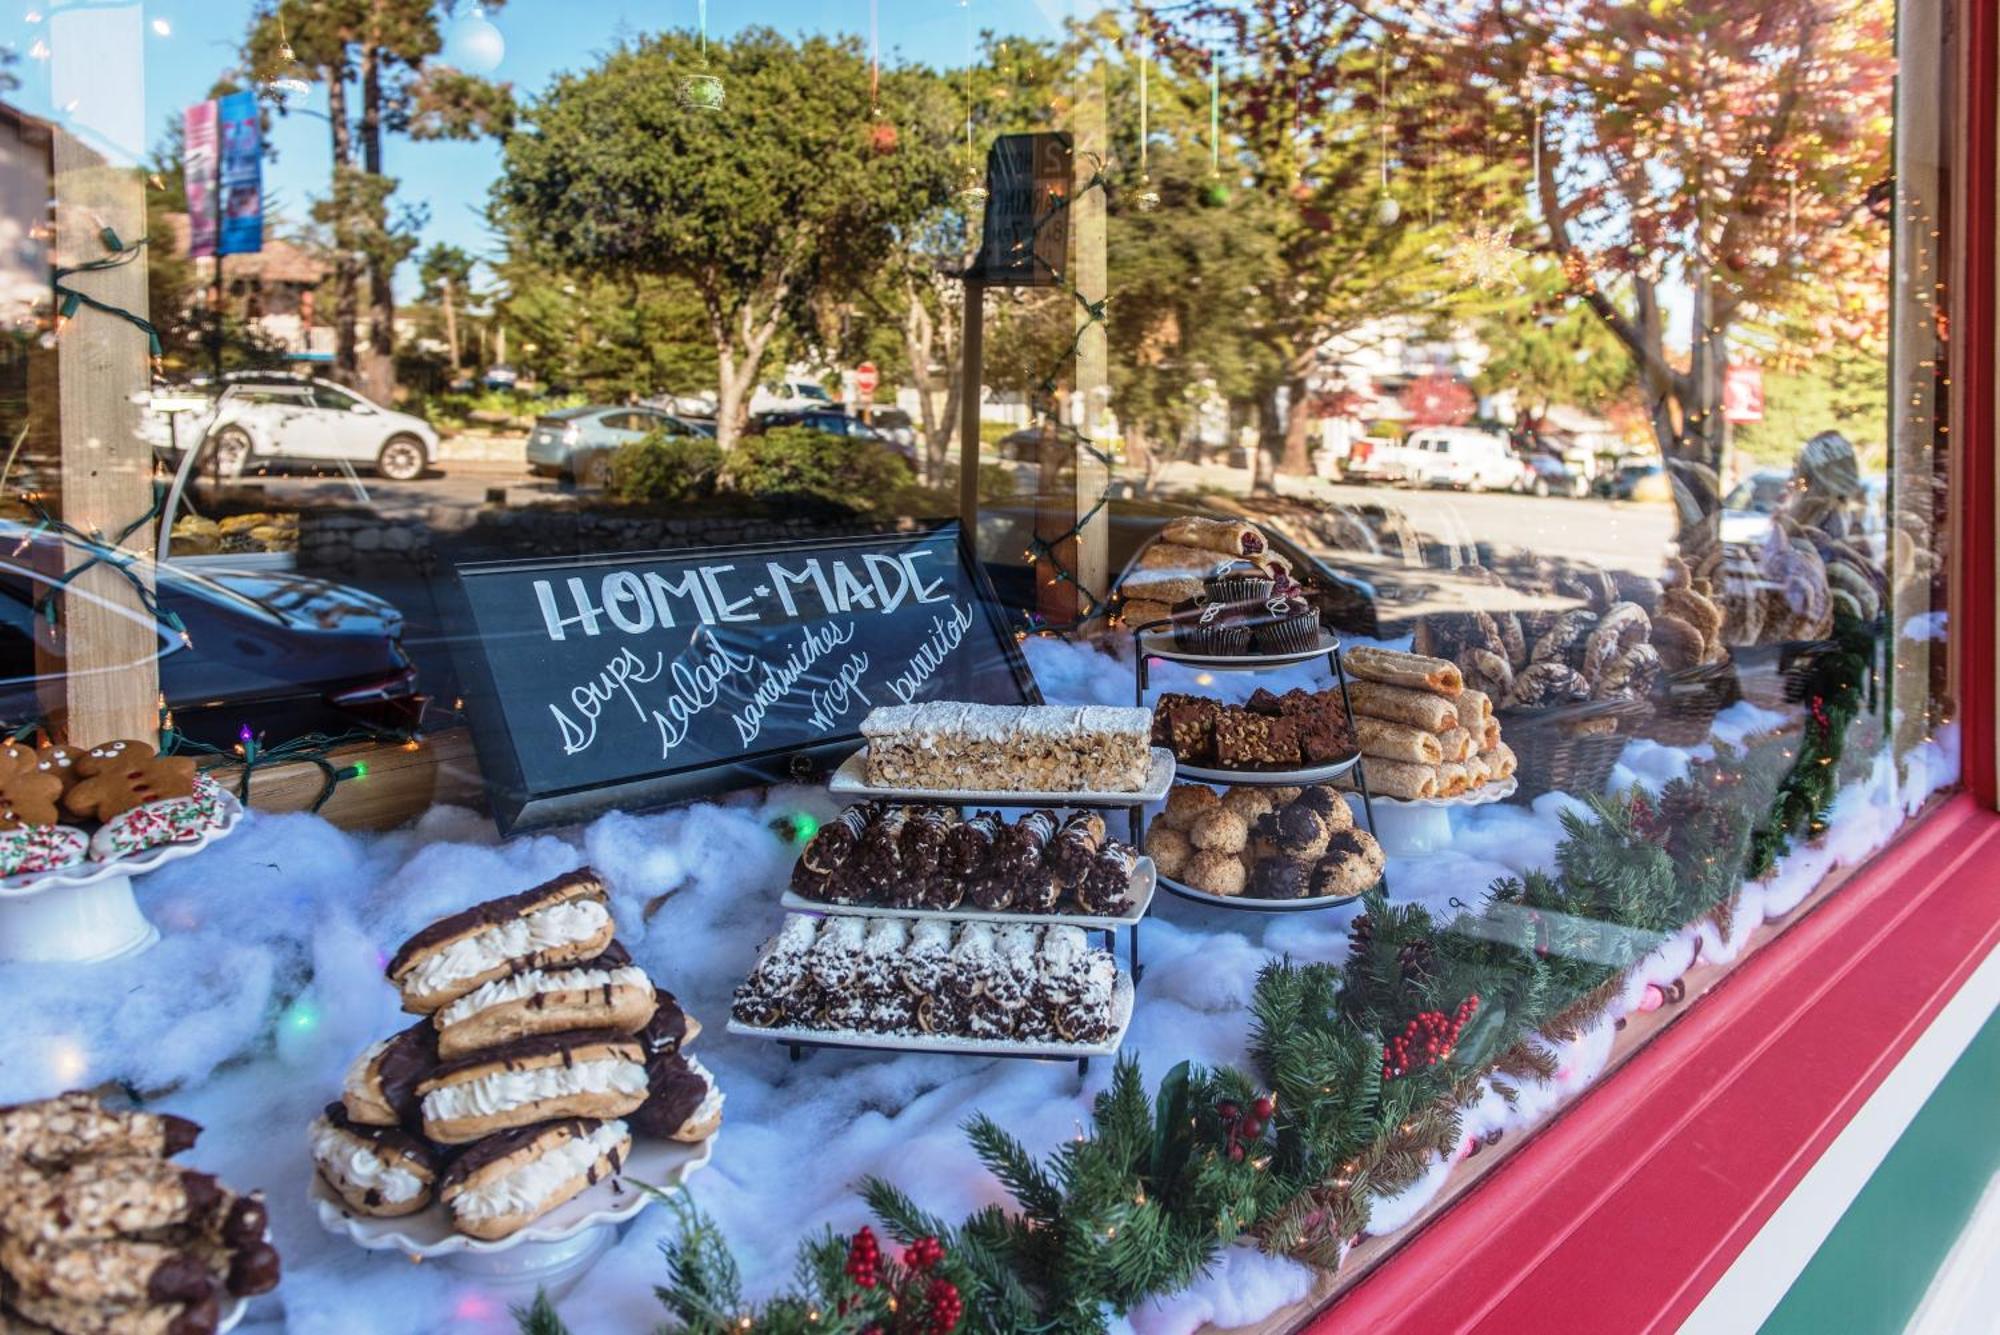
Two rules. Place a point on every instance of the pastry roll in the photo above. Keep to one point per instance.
(1459, 745)
(1491, 740)
(1236, 537)
(1401, 779)
(1475, 709)
(1452, 779)
(1397, 741)
(1144, 611)
(1414, 671)
(1501, 760)
(1398, 704)
(1179, 558)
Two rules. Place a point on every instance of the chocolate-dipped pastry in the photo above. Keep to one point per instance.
(554, 924)
(779, 988)
(670, 1030)
(43, 1312)
(1024, 844)
(584, 1073)
(880, 857)
(1076, 845)
(923, 841)
(1039, 890)
(52, 1132)
(944, 892)
(993, 893)
(1107, 889)
(836, 841)
(1279, 878)
(970, 846)
(927, 959)
(381, 1087)
(510, 1179)
(109, 1198)
(682, 1102)
(107, 1272)
(375, 1170)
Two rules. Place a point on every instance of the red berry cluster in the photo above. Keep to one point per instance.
(945, 1305)
(1426, 1040)
(924, 1253)
(864, 1259)
(1242, 1130)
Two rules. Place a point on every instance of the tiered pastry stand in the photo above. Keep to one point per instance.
(552, 1252)
(1413, 827)
(86, 914)
(1155, 640)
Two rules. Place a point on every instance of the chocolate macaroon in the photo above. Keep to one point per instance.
(560, 922)
(509, 1180)
(596, 1074)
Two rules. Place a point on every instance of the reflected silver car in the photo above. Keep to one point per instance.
(576, 444)
(267, 420)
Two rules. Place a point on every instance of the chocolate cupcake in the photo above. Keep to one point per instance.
(1212, 628)
(1287, 625)
(1237, 582)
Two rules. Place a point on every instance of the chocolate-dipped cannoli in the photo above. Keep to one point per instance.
(1076, 846)
(1107, 889)
(970, 847)
(778, 988)
(1020, 949)
(878, 980)
(1025, 843)
(993, 995)
(1039, 890)
(53, 1132)
(943, 892)
(993, 893)
(880, 857)
(1086, 1016)
(829, 850)
(924, 840)
(928, 958)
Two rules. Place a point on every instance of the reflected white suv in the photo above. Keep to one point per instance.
(260, 422)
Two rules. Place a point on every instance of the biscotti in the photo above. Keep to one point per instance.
(944, 745)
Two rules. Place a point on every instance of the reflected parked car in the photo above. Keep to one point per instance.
(576, 444)
(1461, 457)
(1748, 508)
(1627, 478)
(268, 420)
(278, 653)
(833, 422)
(1546, 475)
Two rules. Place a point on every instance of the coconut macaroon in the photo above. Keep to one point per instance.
(375, 1170)
(381, 1086)
(607, 993)
(508, 1181)
(564, 921)
(595, 1075)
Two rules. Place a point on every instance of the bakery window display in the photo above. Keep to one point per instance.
(1275, 847)
(544, 1060)
(76, 825)
(947, 746)
(104, 1232)
(1176, 567)
(1021, 990)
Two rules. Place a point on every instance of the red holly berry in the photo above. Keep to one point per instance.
(945, 1304)
(924, 1253)
(1264, 1107)
(1236, 1151)
(864, 1258)
(1228, 1111)
(1253, 1127)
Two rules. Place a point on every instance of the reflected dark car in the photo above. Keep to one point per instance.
(282, 654)
(1619, 486)
(832, 422)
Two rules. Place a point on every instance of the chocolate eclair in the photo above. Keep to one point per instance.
(682, 1102)
(375, 1170)
(564, 921)
(609, 992)
(596, 1074)
(381, 1086)
(670, 1030)
(509, 1180)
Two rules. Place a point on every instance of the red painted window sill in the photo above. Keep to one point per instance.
(1593, 1227)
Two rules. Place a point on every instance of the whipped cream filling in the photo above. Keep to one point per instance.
(520, 986)
(360, 1169)
(562, 924)
(711, 1102)
(355, 1086)
(504, 1091)
(523, 1190)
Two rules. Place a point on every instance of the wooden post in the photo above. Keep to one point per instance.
(106, 641)
(1090, 271)
(972, 363)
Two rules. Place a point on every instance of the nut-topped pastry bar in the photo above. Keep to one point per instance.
(949, 746)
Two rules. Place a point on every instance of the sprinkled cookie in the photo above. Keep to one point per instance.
(37, 848)
(121, 776)
(177, 820)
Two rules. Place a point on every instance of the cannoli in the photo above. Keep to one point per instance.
(608, 993)
(561, 922)
(924, 838)
(1414, 671)
(778, 984)
(534, 1080)
(1107, 890)
(994, 893)
(381, 1086)
(682, 1103)
(1399, 704)
(943, 892)
(1402, 779)
(1024, 844)
(378, 1171)
(1018, 986)
(1397, 741)
(834, 844)
(970, 846)
(507, 1181)
(53, 1132)
(1038, 890)
(1235, 537)
(1076, 846)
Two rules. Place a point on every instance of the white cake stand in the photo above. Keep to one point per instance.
(86, 914)
(1412, 828)
(550, 1254)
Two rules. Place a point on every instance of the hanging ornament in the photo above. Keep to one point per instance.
(291, 79)
(882, 136)
(881, 132)
(1485, 256)
(1216, 193)
(474, 44)
(703, 91)
(1148, 198)
(1387, 210)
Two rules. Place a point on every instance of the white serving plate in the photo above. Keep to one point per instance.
(428, 1233)
(89, 872)
(1160, 644)
(1144, 881)
(1498, 791)
(1121, 1017)
(1246, 904)
(1270, 778)
(851, 780)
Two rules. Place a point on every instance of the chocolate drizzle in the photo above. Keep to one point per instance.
(489, 1150)
(675, 1091)
(494, 911)
(530, 1051)
(408, 1061)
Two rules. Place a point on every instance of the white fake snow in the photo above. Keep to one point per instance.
(291, 907)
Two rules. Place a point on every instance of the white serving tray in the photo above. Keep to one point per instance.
(1270, 778)
(851, 780)
(90, 871)
(1246, 904)
(1160, 644)
(953, 1044)
(428, 1233)
(1498, 791)
(1144, 881)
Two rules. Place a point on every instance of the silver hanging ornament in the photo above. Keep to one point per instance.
(1387, 210)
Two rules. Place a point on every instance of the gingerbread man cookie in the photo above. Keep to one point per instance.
(122, 775)
(27, 796)
(61, 762)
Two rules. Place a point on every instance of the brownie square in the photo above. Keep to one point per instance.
(1265, 702)
(1323, 740)
(1282, 746)
(1192, 729)
(1298, 701)
(1242, 740)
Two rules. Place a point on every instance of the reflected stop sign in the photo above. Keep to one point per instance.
(866, 378)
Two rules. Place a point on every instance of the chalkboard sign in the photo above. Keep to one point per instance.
(639, 678)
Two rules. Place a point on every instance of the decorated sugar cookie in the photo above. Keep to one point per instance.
(28, 849)
(176, 820)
